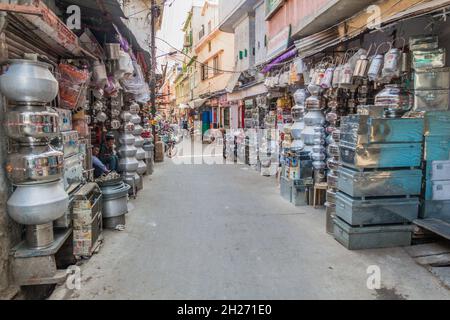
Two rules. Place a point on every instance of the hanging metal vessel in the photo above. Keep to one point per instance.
(362, 67)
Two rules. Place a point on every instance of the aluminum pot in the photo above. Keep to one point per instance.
(38, 204)
(139, 141)
(136, 119)
(115, 199)
(314, 118)
(127, 150)
(296, 130)
(142, 168)
(128, 164)
(35, 164)
(308, 135)
(138, 129)
(140, 154)
(32, 124)
(127, 139)
(28, 81)
(126, 116)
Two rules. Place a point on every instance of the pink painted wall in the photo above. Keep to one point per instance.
(292, 12)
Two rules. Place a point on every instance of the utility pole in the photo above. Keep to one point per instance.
(153, 66)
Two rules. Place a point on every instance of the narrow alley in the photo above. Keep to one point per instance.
(227, 234)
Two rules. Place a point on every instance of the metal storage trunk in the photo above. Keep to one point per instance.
(437, 123)
(432, 79)
(286, 188)
(377, 211)
(437, 148)
(70, 143)
(436, 210)
(440, 170)
(431, 100)
(298, 197)
(372, 237)
(359, 129)
(381, 155)
(441, 190)
(380, 183)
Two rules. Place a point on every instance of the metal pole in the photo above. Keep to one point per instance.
(153, 66)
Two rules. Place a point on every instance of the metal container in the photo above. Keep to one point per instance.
(436, 210)
(112, 51)
(32, 124)
(70, 143)
(358, 129)
(136, 119)
(73, 171)
(376, 211)
(380, 183)
(39, 236)
(431, 100)
(142, 168)
(330, 216)
(140, 154)
(332, 179)
(64, 120)
(433, 79)
(362, 67)
(394, 99)
(429, 59)
(375, 67)
(138, 130)
(38, 204)
(440, 190)
(437, 148)
(423, 43)
(128, 164)
(34, 164)
(127, 150)
(359, 238)
(139, 141)
(437, 123)
(381, 155)
(440, 170)
(115, 199)
(28, 81)
(127, 139)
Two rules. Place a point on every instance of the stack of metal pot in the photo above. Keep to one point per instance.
(139, 141)
(34, 168)
(128, 164)
(313, 118)
(298, 113)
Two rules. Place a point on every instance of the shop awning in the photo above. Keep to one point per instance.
(248, 92)
(233, 82)
(391, 11)
(197, 103)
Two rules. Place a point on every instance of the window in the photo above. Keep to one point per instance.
(209, 46)
(202, 32)
(209, 27)
(216, 65)
(204, 72)
(245, 53)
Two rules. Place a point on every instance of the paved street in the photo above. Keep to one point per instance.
(223, 232)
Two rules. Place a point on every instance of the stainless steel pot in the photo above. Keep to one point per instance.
(126, 116)
(128, 164)
(127, 139)
(115, 199)
(140, 154)
(28, 81)
(136, 119)
(314, 118)
(139, 141)
(138, 129)
(142, 168)
(127, 150)
(38, 204)
(32, 124)
(35, 164)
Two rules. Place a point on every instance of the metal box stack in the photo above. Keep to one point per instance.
(379, 181)
(436, 201)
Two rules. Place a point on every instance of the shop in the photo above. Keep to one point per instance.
(78, 144)
(365, 127)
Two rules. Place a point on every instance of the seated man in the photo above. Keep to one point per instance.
(99, 167)
(108, 154)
